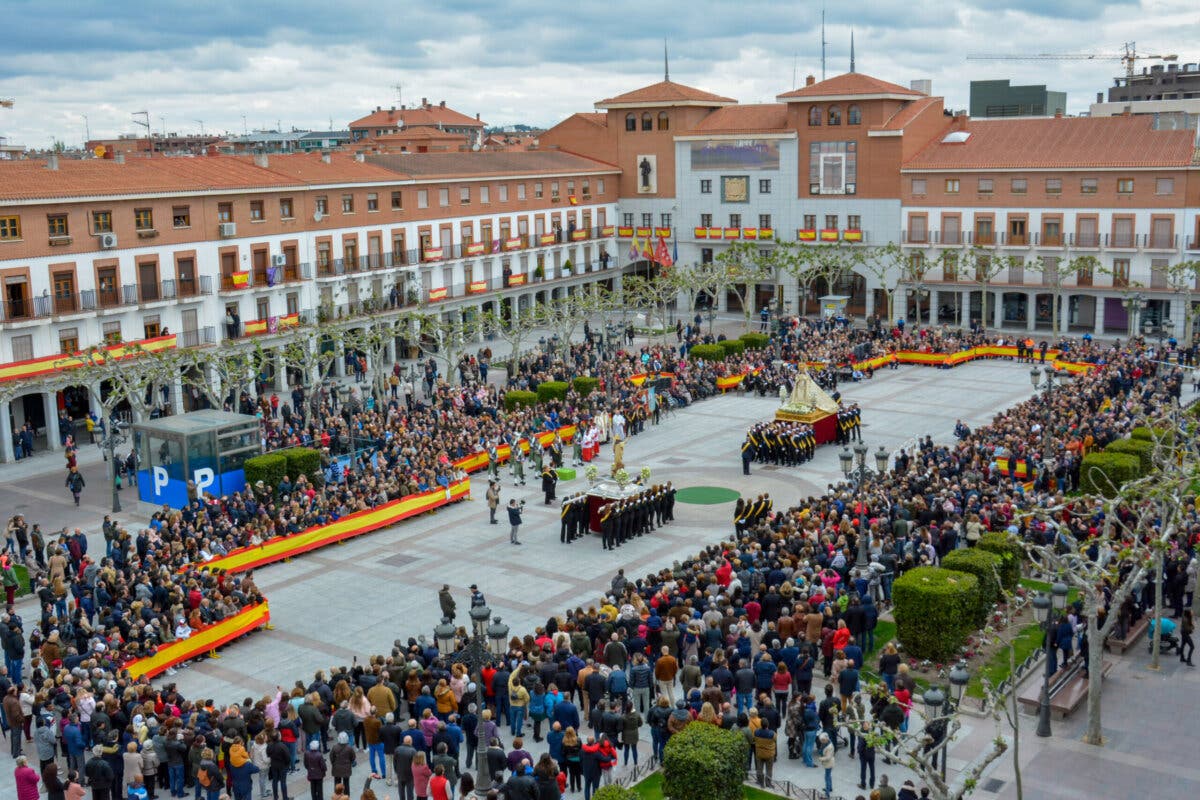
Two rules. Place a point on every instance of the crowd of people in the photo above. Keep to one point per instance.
(732, 637)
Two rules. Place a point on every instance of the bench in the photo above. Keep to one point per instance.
(1068, 688)
(1074, 692)
(1135, 632)
(1031, 696)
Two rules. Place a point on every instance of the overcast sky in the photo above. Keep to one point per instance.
(313, 63)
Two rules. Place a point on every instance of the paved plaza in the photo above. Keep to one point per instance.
(355, 599)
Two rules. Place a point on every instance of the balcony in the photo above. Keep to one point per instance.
(1194, 243)
(1162, 242)
(197, 337)
(917, 237)
(1086, 240)
(1049, 240)
(1122, 241)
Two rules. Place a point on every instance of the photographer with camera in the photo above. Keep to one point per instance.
(514, 518)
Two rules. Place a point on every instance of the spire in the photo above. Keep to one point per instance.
(852, 49)
(666, 63)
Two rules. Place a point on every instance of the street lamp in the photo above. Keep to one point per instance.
(485, 644)
(1041, 611)
(960, 676)
(854, 467)
(1134, 304)
(113, 436)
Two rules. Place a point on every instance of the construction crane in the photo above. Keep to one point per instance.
(1129, 58)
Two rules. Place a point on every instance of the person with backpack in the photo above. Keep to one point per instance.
(209, 777)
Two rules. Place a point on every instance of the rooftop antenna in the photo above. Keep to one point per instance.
(793, 70)
(822, 44)
(142, 118)
(852, 49)
(399, 87)
(666, 63)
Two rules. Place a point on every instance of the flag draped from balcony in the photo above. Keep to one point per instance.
(661, 255)
(635, 249)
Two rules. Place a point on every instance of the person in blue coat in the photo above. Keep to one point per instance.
(241, 780)
(566, 714)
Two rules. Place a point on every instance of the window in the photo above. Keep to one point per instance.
(735, 220)
(485, 195)
(853, 115)
(143, 219)
(181, 217)
(647, 220)
(285, 208)
(322, 204)
(101, 222)
(554, 188)
(832, 167)
(537, 190)
(224, 212)
(1089, 185)
(705, 186)
(111, 332)
(1052, 232)
(810, 222)
(664, 121)
(464, 195)
(443, 197)
(985, 185)
(918, 229)
(347, 204)
(152, 326)
(665, 220)
(764, 185)
(1124, 185)
(422, 198)
(814, 117)
(831, 222)
(918, 187)
(570, 187)
(952, 186)
(1019, 185)
(1120, 272)
(1164, 186)
(706, 220)
(854, 222)
(631, 122)
(22, 347)
(600, 186)
(1123, 232)
(764, 220)
(835, 115)
(57, 224)
(647, 122)
(68, 341)
(520, 191)
(372, 202)
(502, 191)
(256, 210)
(627, 220)
(587, 188)
(397, 201)
(1053, 185)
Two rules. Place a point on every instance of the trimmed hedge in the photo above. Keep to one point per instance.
(707, 352)
(732, 347)
(1104, 473)
(704, 762)
(270, 468)
(1163, 435)
(584, 385)
(935, 611)
(1011, 553)
(615, 792)
(551, 390)
(303, 461)
(985, 567)
(755, 341)
(518, 397)
(1140, 448)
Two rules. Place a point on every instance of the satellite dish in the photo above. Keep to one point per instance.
(317, 216)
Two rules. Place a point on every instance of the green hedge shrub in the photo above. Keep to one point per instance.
(708, 352)
(519, 398)
(704, 762)
(935, 611)
(615, 792)
(1104, 473)
(303, 461)
(1139, 448)
(551, 390)
(1011, 553)
(584, 385)
(270, 468)
(1166, 437)
(755, 341)
(732, 347)
(985, 567)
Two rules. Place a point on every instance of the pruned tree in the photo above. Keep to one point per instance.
(136, 377)
(1184, 279)
(651, 294)
(810, 264)
(227, 371)
(565, 315)
(512, 330)
(311, 351)
(445, 340)
(373, 340)
(981, 265)
(746, 264)
(1056, 275)
(887, 264)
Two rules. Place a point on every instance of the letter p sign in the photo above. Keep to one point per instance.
(160, 481)
(204, 478)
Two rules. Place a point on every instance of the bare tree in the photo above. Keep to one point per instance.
(373, 341)
(1184, 279)
(136, 377)
(444, 339)
(511, 330)
(982, 265)
(233, 365)
(746, 264)
(651, 294)
(886, 263)
(1055, 276)
(311, 351)
(810, 264)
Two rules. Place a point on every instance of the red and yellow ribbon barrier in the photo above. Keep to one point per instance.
(478, 461)
(201, 641)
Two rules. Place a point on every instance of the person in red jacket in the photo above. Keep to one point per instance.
(608, 759)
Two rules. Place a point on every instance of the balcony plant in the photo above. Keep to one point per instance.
(567, 267)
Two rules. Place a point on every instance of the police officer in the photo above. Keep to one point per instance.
(549, 482)
(747, 453)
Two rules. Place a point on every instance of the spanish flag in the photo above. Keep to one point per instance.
(573, 200)
(241, 279)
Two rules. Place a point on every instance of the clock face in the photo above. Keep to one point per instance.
(735, 189)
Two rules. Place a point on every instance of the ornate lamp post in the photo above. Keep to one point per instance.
(113, 436)
(485, 644)
(854, 467)
(1043, 605)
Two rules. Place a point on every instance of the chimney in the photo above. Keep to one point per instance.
(326, 158)
(392, 110)
(1099, 97)
(52, 162)
(261, 160)
(809, 80)
(119, 158)
(424, 101)
(477, 116)
(960, 121)
(1058, 114)
(442, 104)
(378, 108)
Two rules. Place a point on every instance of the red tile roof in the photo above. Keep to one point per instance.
(849, 84)
(426, 116)
(597, 118)
(1059, 142)
(907, 113)
(665, 93)
(310, 168)
(753, 118)
(487, 163)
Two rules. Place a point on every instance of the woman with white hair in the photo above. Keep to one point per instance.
(26, 777)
